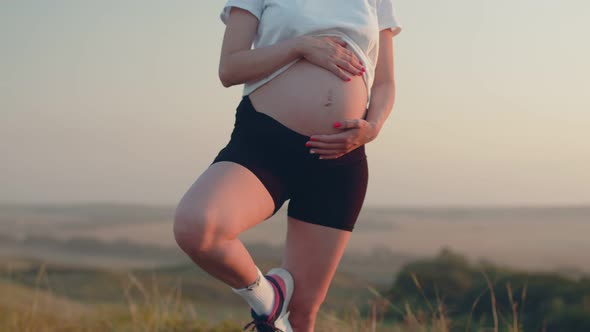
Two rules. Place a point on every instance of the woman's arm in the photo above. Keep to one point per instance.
(239, 63)
(383, 89)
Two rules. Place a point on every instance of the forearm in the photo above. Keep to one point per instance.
(254, 64)
(382, 101)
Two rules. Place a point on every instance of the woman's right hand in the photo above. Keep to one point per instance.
(331, 53)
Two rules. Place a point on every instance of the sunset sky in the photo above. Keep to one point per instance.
(120, 101)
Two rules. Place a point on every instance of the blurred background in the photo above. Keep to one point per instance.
(478, 181)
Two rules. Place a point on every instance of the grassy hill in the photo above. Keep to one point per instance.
(79, 282)
(172, 298)
(100, 285)
(443, 293)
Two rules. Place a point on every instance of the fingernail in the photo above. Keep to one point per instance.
(337, 124)
(347, 79)
(312, 138)
(311, 151)
(307, 143)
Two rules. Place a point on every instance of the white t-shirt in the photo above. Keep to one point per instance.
(357, 22)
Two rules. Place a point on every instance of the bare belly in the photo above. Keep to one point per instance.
(309, 99)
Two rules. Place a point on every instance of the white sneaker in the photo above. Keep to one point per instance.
(278, 319)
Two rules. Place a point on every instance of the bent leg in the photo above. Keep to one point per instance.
(225, 200)
(312, 254)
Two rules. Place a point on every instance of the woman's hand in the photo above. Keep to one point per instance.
(330, 53)
(356, 133)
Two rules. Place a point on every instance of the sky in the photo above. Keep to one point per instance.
(120, 101)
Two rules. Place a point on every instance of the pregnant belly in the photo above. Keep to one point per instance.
(309, 99)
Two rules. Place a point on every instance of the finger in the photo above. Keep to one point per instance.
(326, 152)
(346, 65)
(343, 138)
(358, 65)
(324, 145)
(339, 72)
(339, 41)
(361, 66)
(353, 59)
(350, 123)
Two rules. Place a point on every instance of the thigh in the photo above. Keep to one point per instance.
(228, 193)
(312, 253)
(331, 194)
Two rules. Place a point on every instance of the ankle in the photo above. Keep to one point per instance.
(259, 294)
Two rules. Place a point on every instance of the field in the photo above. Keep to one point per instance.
(103, 267)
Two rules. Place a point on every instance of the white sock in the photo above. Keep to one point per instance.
(259, 295)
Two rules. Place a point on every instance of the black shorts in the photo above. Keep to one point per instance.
(328, 192)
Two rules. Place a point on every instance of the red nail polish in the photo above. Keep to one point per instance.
(312, 139)
(337, 125)
(347, 79)
(307, 144)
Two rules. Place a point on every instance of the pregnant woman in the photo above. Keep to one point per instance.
(318, 86)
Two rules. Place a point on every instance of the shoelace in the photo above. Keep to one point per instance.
(262, 326)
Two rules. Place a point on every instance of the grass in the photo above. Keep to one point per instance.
(148, 308)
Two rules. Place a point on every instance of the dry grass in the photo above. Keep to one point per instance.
(150, 309)
(436, 319)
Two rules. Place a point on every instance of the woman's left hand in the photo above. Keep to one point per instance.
(356, 132)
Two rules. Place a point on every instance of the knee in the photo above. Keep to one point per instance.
(198, 229)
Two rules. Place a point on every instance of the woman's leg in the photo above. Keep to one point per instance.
(224, 201)
(312, 253)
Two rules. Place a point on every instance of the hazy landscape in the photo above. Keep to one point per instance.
(110, 256)
(544, 238)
